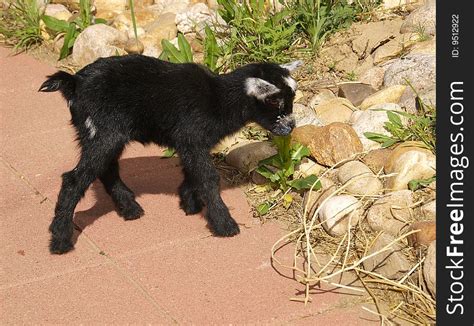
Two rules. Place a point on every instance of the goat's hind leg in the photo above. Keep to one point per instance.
(190, 200)
(123, 197)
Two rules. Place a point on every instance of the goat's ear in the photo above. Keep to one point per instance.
(260, 88)
(292, 65)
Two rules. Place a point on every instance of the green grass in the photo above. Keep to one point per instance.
(20, 24)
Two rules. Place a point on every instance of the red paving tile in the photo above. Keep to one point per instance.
(94, 295)
(164, 263)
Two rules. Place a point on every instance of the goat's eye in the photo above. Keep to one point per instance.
(272, 102)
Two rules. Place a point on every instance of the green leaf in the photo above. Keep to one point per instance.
(273, 160)
(172, 53)
(299, 152)
(394, 118)
(264, 171)
(185, 48)
(416, 184)
(169, 152)
(389, 142)
(379, 138)
(211, 49)
(100, 21)
(263, 208)
(55, 24)
(306, 183)
(69, 39)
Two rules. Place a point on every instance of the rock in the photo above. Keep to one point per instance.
(428, 210)
(321, 97)
(151, 47)
(98, 41)
(257, 178)
(335, 110)
(425, 236)
(355, 92)
(339, 213)
(390, 263)
(372, 120)
(329, 144)
(134, 47)
(391, 4)
(111, 5)
(409, 162)
(408, 99)
(361, 180)
(376, 159)
(72, 5)
(57, 11)
(390, 94)
(229, 142)
(313, 199)
(388, 212)
(173, 6)
(342, 57)
(195, 19)
(144, 17)
(164, 27)
(394, 47)
(374, 34)
(418, 69)
(364, 65)
(425, 47)
(308, 167)
(373, 77)
(305, 116)
(246, 156)
(429, 268)
(421, 20)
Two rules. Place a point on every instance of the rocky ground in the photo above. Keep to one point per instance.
(375, 66)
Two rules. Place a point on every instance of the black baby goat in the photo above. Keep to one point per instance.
(116, 100)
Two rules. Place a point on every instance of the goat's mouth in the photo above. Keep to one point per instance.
(283, 126)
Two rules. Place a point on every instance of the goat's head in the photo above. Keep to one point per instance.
(273, 91)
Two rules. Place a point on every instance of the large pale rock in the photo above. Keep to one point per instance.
(425, 235)
(421, 20)
(339, 213)
(390, 263)
(376, 159)
(111, 5)
(173, 6)
(308, 167)
(409, 162)
(355, 92)
(313, 199)
(163, 27)
(329, 144)
(428, 210)
(321, 97)
(195, 19)
(305, 116)
(408, 99)
(373, 76)
(57, 11)
(394, 47)
(246, 156)
(360, 179)
(425, 47)
(388, 213)
(372, 120)
(418, 69)
(335, 110)
(372, 35)
(390, 94)
(144, 16)
(98, 41)
(363, 66)
(391, 4)
(429, 268)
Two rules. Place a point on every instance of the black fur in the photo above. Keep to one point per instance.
(136, 98)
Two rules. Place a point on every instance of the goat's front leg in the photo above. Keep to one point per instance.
(199, 169)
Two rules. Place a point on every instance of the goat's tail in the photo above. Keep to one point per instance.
(60, 81)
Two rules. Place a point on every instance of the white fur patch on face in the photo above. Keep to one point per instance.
(292, 65)
(91, 127)
(291, 83)
(259, 88)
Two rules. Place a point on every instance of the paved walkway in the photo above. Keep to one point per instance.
(164, 268)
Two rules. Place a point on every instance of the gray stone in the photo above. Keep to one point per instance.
(373, 76)
(355, 92)
(339, 213)
(390, 263)
(387, 213)
(246, 156)
(421, 20)
(305, 116)
(359, 178)
(98, 41)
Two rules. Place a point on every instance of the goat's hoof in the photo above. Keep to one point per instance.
(227, 228)
(191, 207)
(132, 212)
(60, 246)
